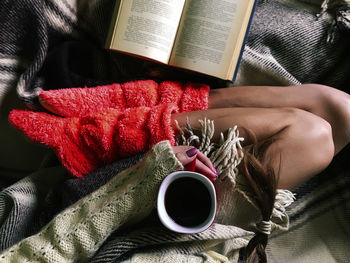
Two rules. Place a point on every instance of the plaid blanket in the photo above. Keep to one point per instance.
(57, 43)
(288, 44)
(319, 219)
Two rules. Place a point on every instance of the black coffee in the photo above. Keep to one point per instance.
(187, 202)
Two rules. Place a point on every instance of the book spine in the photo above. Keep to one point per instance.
(113, 24)
(244, 41)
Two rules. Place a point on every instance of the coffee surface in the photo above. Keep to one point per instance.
(188, 202)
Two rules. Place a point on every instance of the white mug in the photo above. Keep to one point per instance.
(186, 202)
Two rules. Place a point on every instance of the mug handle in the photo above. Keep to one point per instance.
(191, 167)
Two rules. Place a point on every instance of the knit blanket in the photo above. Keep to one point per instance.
(49, 44)
(121, 208)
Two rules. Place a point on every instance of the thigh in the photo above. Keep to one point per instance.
(301, 147)
(263, 122)
(326, 102)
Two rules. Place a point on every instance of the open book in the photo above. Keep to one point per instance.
(205, 36)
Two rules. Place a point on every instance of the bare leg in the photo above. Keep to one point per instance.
(303, 145)
(328, 103)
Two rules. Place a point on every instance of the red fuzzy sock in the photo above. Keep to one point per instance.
(76, 102)
(108, 122)
(60, 134)
(195, 97)
(84, 101)
(97, 133)
(140, 93)
(170, 92)
(82, 144)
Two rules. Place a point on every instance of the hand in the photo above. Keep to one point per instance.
(186, 154)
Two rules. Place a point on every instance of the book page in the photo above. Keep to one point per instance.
(211, 34)
(147, 27)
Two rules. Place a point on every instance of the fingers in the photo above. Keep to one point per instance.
(205, 170)
(206, 161)
(203, 165)
(185, 154)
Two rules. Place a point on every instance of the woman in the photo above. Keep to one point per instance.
(298, 130)
(308, 124)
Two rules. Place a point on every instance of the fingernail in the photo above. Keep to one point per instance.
(191, 152)
(214, 170)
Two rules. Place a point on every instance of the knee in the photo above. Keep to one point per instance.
(315, 134)
(334, 106)
(329, 98)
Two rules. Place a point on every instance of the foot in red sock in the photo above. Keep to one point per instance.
(77, 102)
(82, 144)
(105, 123)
